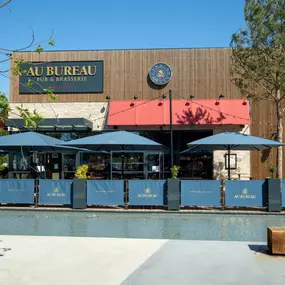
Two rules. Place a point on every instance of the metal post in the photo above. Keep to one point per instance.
(170, 127)
(123, 165)
(111, 164)
(229, 162)
(36, 185)
(123, 162)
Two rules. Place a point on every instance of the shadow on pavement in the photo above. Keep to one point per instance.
(259, 248)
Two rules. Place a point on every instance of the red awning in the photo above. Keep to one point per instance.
(184, 112)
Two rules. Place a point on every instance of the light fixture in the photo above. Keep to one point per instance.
(273, 135)
(221, 96)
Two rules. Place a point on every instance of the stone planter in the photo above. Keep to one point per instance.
(79, 199)
(173, 194)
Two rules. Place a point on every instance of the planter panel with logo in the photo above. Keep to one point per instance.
(105, 192)
(55, 192)
(17, 191)
(200, 193)
(249, 193)
(147, 192)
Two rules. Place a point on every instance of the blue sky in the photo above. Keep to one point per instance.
(119, 24)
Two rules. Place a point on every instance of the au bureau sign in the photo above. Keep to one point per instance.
(62, 77)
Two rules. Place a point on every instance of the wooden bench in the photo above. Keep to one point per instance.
(276, 240)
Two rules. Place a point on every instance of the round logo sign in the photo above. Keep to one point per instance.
(160, 73)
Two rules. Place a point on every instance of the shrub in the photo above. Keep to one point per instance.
(81, 172)
(272, 169)
(174, 171)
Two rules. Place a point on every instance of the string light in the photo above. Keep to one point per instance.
(163, 96)
(209, 108)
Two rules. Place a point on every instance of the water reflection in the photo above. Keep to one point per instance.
(139, 225)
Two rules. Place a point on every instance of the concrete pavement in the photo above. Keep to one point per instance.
(82, 261)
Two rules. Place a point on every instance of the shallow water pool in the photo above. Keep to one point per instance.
(190, 226)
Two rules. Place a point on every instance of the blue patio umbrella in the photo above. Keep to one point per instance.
(232, 141)
(32, 142)
(118, 140)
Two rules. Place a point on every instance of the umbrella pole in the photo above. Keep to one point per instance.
(229, 161)
(123, 161)
(123, 164)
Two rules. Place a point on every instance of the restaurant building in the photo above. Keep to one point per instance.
(106, 90)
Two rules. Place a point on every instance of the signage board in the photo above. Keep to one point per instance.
(62, 77)
(105, 192)
(200, 193)
(147, 192)
(246, 193)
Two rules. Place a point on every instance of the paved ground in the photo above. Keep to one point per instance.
(28, 260)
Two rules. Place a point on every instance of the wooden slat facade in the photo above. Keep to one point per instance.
(201, 72)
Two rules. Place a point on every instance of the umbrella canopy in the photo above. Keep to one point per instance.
(119, 140)
(232, 141)
(190, 151)
(31, 141)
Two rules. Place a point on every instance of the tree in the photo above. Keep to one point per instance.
(3, 157)
(258, 58)
(30, 118)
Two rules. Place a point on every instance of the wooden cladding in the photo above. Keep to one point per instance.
(203, 73)
(200, 72)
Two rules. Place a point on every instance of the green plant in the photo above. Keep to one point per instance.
(174, 171)
(258, 60)
(81, 172)
(3, 162)
(272, 169)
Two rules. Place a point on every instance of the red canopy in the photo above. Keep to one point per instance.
(184, 112)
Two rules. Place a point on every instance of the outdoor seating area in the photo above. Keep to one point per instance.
(126, 171)
(140, 193)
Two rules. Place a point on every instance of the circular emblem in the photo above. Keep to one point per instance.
(160, 73)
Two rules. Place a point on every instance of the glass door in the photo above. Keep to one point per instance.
(68, 166)
(127, 165)
(53, 165)
(154, 166)
(98, 165)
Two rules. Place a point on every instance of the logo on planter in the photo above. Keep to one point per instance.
(245, 195)
(56, 193)
(147, 194)
(147, 191)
